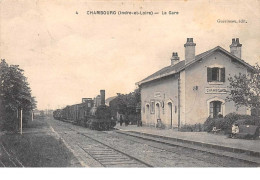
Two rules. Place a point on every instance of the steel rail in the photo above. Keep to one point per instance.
(143, 138)
(167, 150)
(178, 145)
(185, 147)
(12, 157)
(110, 147)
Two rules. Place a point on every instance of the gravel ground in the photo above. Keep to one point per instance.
(155, 154)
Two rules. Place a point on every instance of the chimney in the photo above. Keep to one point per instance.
(175, 58)
(102, 96)
(235, 47)
(189, 50)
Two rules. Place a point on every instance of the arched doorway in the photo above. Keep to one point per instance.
(215, 109)
(170, 113)
(216, 106)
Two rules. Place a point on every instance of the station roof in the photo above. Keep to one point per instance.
(170, 70)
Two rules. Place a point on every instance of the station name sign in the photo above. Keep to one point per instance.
(215, 90)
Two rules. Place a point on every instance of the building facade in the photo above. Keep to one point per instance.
(190, 91)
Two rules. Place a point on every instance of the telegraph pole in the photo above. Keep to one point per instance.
(21, 125)
(48, 110)
(32, 115)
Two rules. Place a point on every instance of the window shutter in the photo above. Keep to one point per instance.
(209, 72)
(222, 74)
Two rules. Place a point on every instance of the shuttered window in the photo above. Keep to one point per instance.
(222, 73)
(209, 74)
(216, 74)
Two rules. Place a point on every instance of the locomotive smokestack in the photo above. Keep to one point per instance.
(102, 96)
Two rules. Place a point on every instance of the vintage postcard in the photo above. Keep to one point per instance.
(136, 83)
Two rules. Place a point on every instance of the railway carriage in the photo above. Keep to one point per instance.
(94, 115)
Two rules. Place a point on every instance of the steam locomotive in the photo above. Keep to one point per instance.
(91, 113)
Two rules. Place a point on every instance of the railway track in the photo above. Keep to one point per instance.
(180, 148)
(107, 155)
(162, 147)
(191, 152)
(8, 159)
(101, 154)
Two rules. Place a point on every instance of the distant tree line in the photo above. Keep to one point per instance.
(15, 95)
(127, 104)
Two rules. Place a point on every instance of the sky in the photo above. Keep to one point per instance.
(67, 55)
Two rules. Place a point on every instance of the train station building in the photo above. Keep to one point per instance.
(191, 90)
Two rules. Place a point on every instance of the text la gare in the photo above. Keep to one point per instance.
(170, 12)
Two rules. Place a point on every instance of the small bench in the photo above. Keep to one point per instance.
(248, 132)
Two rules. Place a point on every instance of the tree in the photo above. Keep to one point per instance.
(15, 94)
(245, 90)
(126, 103)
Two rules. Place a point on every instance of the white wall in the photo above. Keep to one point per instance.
(196, 101)
(162, 91)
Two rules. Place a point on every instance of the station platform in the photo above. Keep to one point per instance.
(204, 139)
